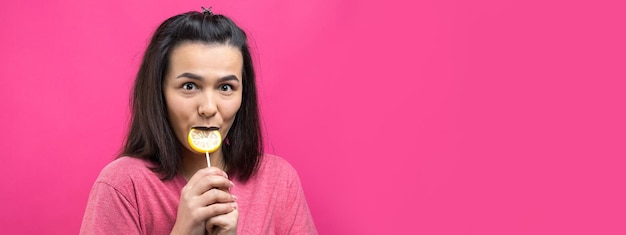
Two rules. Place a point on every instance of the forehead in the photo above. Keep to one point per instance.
(206, 58)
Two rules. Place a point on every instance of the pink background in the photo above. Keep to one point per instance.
(407, 117)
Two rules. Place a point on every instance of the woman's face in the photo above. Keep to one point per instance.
(203, 87)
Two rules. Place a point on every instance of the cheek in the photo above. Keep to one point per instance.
(178, 122)
(176, 114)
(170, 103)
(231, 109)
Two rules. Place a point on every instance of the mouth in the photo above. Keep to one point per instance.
(205, 128)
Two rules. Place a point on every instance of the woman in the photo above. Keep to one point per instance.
(197, 71)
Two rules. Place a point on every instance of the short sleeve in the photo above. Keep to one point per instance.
(109, 212)
(297, 218)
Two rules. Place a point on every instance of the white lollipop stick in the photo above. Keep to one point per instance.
(208, 160)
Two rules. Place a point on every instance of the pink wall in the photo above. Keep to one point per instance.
(435, 117)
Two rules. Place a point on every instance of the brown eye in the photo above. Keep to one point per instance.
(226, 87)
(189, 86)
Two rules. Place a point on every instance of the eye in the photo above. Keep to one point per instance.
(226, 88)
(188, 86)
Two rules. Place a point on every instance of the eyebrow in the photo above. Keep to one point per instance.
(200, 78)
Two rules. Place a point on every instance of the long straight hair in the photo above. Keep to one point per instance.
(151, 136)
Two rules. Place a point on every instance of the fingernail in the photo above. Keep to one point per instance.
(225, 175)
(231, 183)
(234, 205)
(234, 197)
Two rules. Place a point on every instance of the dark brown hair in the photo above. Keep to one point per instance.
(151, 136)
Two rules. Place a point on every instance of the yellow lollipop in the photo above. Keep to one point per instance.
(204, 140)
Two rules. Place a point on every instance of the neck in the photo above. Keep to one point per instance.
(193, 162)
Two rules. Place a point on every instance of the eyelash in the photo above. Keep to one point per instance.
(230, 88)
(224, 87)
(189, 83)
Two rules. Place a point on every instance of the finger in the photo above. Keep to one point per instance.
(211, 182)
(205, 172)
(224, 222)
(216, 195)
(206, 183)
(216, 209)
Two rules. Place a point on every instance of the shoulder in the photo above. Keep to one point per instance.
(276, 165)
(113, 201)
(126, 171)
(275, 170)
(292, 215)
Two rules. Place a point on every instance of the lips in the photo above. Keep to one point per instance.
(205, 128)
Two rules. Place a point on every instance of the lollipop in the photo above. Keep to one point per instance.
(204, 140)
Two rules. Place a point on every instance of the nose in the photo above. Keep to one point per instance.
(207, 107)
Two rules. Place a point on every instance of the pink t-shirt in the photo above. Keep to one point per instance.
(128, 198)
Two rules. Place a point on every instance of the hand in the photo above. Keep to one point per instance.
(205, 197)
(225, 224)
